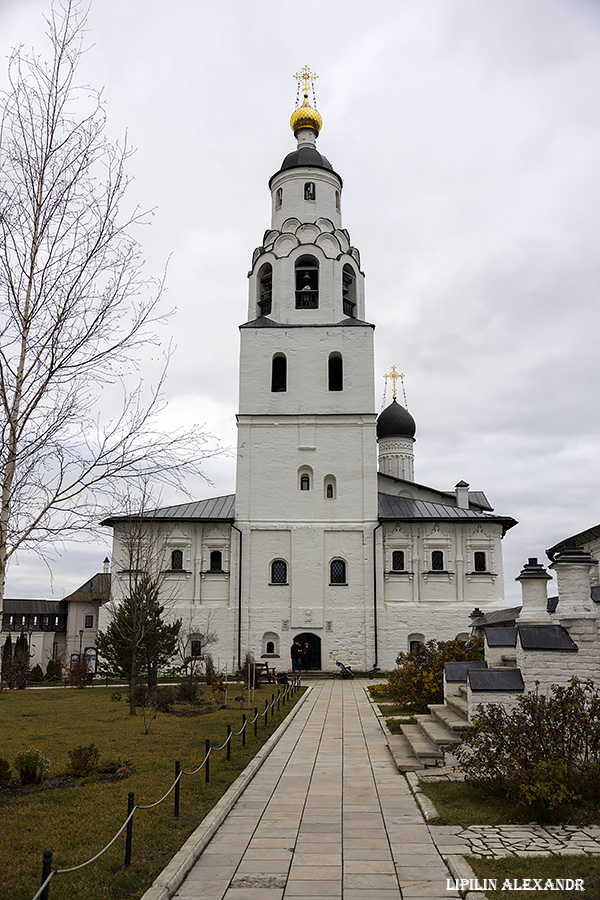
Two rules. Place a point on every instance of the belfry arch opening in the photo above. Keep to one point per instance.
(349, 291)
(307, 283)
(265, 290)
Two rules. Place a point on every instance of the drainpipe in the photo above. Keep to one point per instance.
(375, 664)
(239, 641)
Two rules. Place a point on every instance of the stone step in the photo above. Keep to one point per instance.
(402, 754)
(436, 731)
(459, 705)
(449, 717)
(425, 750)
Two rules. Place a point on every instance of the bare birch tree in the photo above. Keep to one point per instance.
(75, 308)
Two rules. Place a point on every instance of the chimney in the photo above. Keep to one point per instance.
(534, 587)
(572, 566)
(106, 565)
(462, 495)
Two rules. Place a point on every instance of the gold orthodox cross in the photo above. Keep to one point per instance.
(309, 79)
(394, 376)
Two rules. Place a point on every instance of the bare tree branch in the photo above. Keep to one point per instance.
(75, 309)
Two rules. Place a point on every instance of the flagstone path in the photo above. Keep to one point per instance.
(327, 816)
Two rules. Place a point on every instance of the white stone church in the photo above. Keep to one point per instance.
(328, 537)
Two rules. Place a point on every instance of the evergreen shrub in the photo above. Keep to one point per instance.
(5, 773)
(36, 676)
(84, 760)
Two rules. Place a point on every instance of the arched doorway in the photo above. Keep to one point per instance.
(314, 642)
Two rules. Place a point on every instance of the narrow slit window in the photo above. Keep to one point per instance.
(278, 198)
(279, 374)
(310, 192)
(336, 372)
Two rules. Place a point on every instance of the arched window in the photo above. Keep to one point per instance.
(177, 560)
(270, 647)
(216, 561)
(305, 478)
(307, 283)
(329, 487)
(304, 483)
(279, 373)
(480, 561)
(310, 192)
(278, 198)
(337, 571)
(415, 641)
(437, 561)
(349, 291)
(279, 571)
(398, 561)
(336, 372)
(265, 290)
(337, 200)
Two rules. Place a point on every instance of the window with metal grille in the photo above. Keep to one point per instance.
(89, 621)
(398, 560)
(337, 571)
(265, 290)
(437, 561)
(196, 649)
(216, 561)
(177, 559)
(348, 291)
(304, 483)
(278, 572)
(480, 561)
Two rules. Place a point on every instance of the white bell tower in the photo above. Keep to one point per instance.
(306, 491)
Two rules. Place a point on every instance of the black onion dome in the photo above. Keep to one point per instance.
(395, 421)
(305, 156)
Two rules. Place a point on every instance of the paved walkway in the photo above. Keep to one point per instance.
(327, 816)
(498, 841)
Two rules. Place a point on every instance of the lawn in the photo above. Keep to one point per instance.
(76, 819)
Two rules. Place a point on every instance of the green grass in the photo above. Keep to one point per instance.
(547, 867)
(395, 725)
(77, 821)
(461, 803)
(393, 710)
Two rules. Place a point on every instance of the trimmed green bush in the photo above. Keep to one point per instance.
(36, 676)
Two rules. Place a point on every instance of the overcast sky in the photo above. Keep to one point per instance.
(467, 134)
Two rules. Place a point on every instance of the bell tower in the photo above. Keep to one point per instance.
(306, 491)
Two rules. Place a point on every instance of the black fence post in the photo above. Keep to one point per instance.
(129, 832)
(255, 721)
(207, 767)
(229, 742)
(46, 869)
(177, 771)
(243, 729)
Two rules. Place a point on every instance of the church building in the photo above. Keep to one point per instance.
(328, 537)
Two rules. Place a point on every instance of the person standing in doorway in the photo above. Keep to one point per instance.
(296, 655)
(306, 657)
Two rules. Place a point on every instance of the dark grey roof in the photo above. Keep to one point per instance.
(215, 509)
(457, 671)
(546, 637)
(497, 616)
(476, 498)
(394, 421)
(590, 534)
(500, 679)
(266, 322)
(403, 508)
(35, 607)
(501, 637)
(305, 156)
(96, 588)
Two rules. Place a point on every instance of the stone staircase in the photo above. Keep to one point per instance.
(426, 743)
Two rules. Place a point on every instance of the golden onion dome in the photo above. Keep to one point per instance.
(306, 117)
